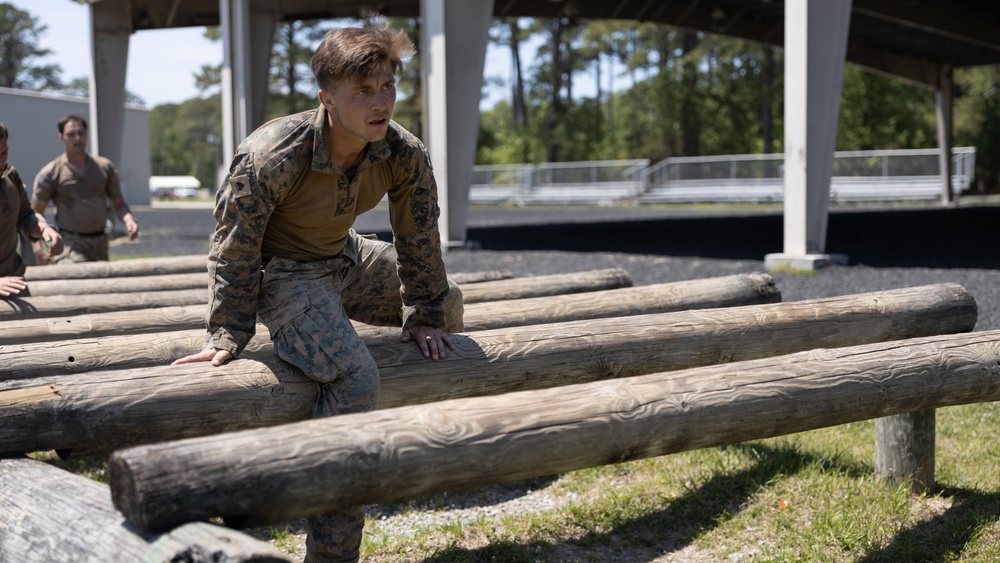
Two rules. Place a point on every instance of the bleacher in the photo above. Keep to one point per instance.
(858, 176)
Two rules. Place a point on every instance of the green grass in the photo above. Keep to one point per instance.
(725, 504)
(804, 497)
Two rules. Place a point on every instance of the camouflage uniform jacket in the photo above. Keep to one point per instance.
(284, 196)
(15, 213)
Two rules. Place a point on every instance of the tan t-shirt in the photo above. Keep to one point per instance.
(81, 200)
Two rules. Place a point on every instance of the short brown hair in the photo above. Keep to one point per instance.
(3, 131)
(357, 52)
(68, 118)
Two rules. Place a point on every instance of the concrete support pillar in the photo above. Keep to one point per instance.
(454, 35)
(110, 28)
(815, 47)
(247, 38)
(943, 101)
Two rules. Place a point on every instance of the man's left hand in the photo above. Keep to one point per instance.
(433, 342)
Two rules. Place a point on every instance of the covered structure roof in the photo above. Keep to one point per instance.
(910, 39)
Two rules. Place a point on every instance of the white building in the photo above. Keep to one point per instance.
(32, 119)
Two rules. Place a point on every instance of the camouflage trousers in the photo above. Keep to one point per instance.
(79, 248)
(308, 308)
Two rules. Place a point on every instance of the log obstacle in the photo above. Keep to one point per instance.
(171, 282)
(483, 276)
(47, 306)
(51, 357)
(725, 291)
(50, 514)
(117, 408)
(161, 282)
(314, 466)
(517, 288)
(161, 319)
(543, 286)
(179, 265)
(120, 268)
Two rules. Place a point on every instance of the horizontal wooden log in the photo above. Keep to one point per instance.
(50, 514)
(120, 268)
(318, 465)
(50, 329)
(541, 286)
(52, 357)
(131, 284)
(517, 288)
(476, 277)
(170, 282)
(111, 409)
(48, 306)
(180, 265)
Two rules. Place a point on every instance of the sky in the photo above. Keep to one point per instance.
(161, 63)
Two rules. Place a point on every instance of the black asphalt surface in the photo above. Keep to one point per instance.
(887, 248)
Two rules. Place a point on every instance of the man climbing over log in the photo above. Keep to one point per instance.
(284, 250)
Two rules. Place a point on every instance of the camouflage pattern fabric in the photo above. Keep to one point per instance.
(15, 214)
(284, 197)
(284, 253)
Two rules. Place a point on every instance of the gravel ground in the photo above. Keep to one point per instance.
(887, 249)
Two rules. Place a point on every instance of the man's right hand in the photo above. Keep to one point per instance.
(11, 285)
(216, 356)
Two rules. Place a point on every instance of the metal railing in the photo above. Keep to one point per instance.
(889, 175)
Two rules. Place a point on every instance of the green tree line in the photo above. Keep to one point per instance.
(660, 92)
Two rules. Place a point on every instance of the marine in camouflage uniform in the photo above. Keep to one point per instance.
(16, 215)
(284, 252)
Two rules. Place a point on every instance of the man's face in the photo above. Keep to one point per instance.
(361, 109)
(74, 136)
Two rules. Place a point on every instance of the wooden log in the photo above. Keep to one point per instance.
(725, 291)
(318, 465)
(51, 357)
(120, 268)
(476, 277)
(50, 514)
(112, 409)
(51, 329)
(904, 449)
(13, 308)
(171, 282)
(541, 286)
(54, 306)
(161, 282)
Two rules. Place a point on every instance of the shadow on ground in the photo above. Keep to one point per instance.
(940, 237)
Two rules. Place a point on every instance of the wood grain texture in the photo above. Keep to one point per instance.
(50, 514)
(175, 281)
(120, 268)
(36, 358)
(15, 332)
(313, 466)
(904, 449)
(476, 277)
(111, 409)
(517, 288)
(541, 286)
(66, 305)
(160, 282)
